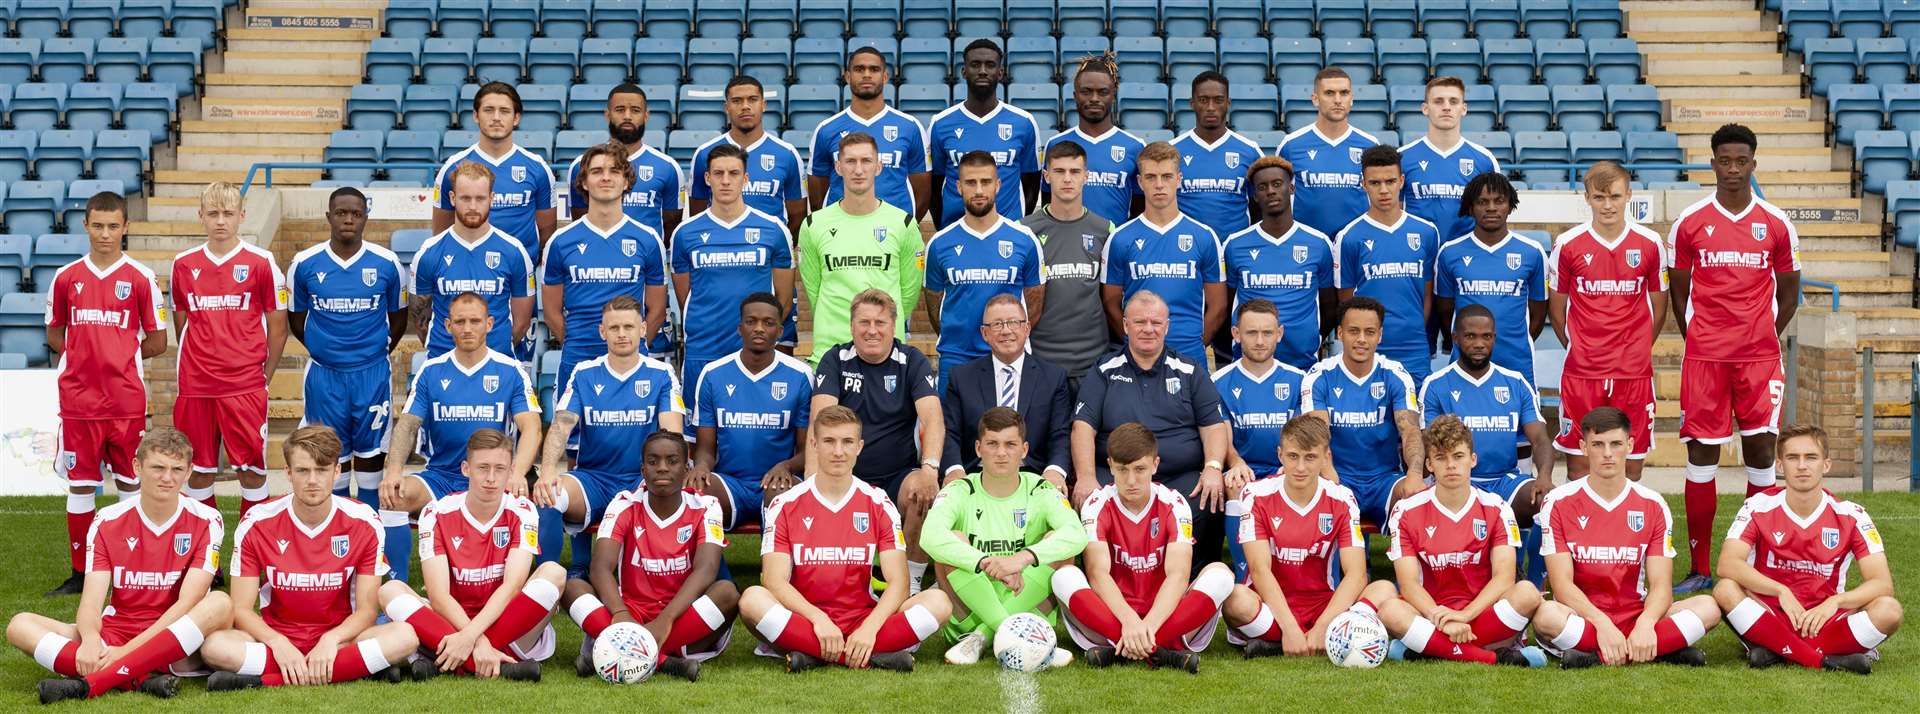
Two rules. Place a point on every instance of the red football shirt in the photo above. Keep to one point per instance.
(656, 554)
(833, 545)
(1306, 539)
(1609, 289)
(1454, 549)
(148, 560)
(306, 574)
(106, 313)
(1137, 542)
(476, 551)
(1733, 259)
(1609, 542)
(223, 302)
(1810, 556)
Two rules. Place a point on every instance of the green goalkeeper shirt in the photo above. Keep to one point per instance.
(842, 255)
(1035, 518)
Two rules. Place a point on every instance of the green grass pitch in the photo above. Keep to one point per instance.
(738, 681)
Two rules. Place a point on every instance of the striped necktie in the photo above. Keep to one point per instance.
(1009, 387)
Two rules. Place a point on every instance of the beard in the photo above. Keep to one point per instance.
(980, 211)
(631, 138)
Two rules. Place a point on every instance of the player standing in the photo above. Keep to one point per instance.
(1005, 259)
(1609, 547)
(142, 609)
(1387, 254)
(1326, 157)
(520, 188)
(1608, 301)
(653, 198)
(1109, 152)
(821, 540)
(1453, 559)
(603, 254)
(1497, 268)
(307, 607)
(901, 180)
(1070, 266)
(230, 316)
(657, 559)
(472, 256)
(1134, 599)
(452, 396)
(1367, 400)
(487, 606)
(722, 255)
(750, 417)
(984, 123)
(856, 244)
(1787, 598)
(1439, 166)
(1214, 188)
(1736, 280)
(1169, 253)
(1284, 262)
(347, 373)
(102, 336)
(773, 184)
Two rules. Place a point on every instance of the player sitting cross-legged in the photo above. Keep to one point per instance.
(656, 562)
(311, 561)
(1608, 543)
(996, 536)
(142, 608)
(1134, 600)
(486, 604)
(818, 546)
(1786, 594)
(1293, 529)
(1453, 559)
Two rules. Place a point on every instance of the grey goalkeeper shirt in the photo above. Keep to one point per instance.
(1072, 331)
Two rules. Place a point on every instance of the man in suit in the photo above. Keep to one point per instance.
(1008, 377)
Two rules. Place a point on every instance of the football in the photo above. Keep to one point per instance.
(1356, 639)
(625, 654)
(1024, 643)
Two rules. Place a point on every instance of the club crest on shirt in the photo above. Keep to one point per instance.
(892, 133)
(500, 537)
(340, 545)
(1633, 257)
(1006, 131)
(860, 522)
(684, 534)
(1759, 231)
(644, 173)
(779, 390)
(519, 173)
(183, 542)
(1019, 517)
(1413, 241)
(1479, 529)
(121, 289)
(1087, 240)
(766, 162)
(493, 259)
(1282, 390)
(1353, 154)
(1186, 242)
(1501, 394)
(1636, 520)
(1119, 153)
(1466, 166)
(1326, 524)
(628, 247)
(753, 235)
(369, 276)
(1299, 254)
(1173, 385)
(1513, 261)
(1006, 249)
(1378, 390)
(1829, 537)
(490, 382)
(1233, 161)
(642, 388)
(890, 383)
(240, 272)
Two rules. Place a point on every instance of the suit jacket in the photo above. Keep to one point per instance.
(1044, 403)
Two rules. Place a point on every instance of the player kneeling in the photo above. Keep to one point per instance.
(656, 560)
(1292, 530)
(1453, 556)
(817, 551)
(1608, 543)
(1766, 584)
(487, 606)
(313, 560)
(1134, 600)
(145, 604)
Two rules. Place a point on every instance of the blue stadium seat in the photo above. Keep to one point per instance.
(766, 57)
(13, 360)
(544, 107)
(682, 143)
(712, 60)
(1256, 107)
(122, 156)
(552, 60)
(92, 106)
(200, 19)
(412, 146)
(16, 154)
(354, 145)
(587, 106)
(499, 59)
(1244, 60)
(120, 60)
(446, 61)
(616, 19)
(1903, 20)
(1142, 59)
(772, 20)
(1854, 108)
(1186, 19)
(1615, 60)
(874, 18)
(1370, 110)
(978, 18)
(1134, 18)
(51, 251)
(148, 18)
(1032, 59)
(923, 60)
(1403, 61)
(1144, 106)
(1356, 55)
(1482, 111)
(390, 60)
(1902, 105)
(719, 19)
(73, 210)
(65, 60)
(1633, 107)
(1296, 59)
(569, 145)
(62, 155)
(42, 18)
(663, 103)
(1591, 146)
(410, 19)
(920, 100)
(1340, 18)
(1081, 18)
(149, 107)
(1805, 20)
(174, 60)
(1580, 107)
(454, 140)
(1597, 19)
(1040, 100)
(1404, 101)
(407, 241)
(538, 142)
(1542, 147)
(513, 19)
(1655, 147)
(462, 19)
(1187, 57)
(1495, 19)
(1508, 61)
(1445, 19)
(774, 115)
(1264, 139)
(1392, 18)
(818, 61)
(1388, 137)
(429, 107)
(1830, 61)
(1458, 58)
(37, 106)
(925, 19)
(1881, 156)
(22, 331)
(1238, 19)
(1883, 60)
(374, 107)
(659, 60)
(1498, 143)
(14, 250)
(566, 19)
(17, 60)
(1546, 19)
(1561, 61)
(1525, 107)
(33, 207)
(1296, 105)
(605, 60)
(702, 109)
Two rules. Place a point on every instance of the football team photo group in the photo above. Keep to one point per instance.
(984, 395)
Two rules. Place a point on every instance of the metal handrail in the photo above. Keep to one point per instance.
(1832, 289)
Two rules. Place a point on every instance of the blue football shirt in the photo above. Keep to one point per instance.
(1258, 408)
(1494, 407)
(522, 186)
(1327, 194)
(617, 411)
(1505, 277)
(1289, 271)
(495, 268)
(1393, 264)
(970, 268)
(773, 174)
(1007, 132)
(453, 402)
(347, 315)
(725, 262)
(1173, 261)
(1112, 162)
(753, 415)
(1435, 181)
(594, 267)
(1213, 180)
(902, 142)
(1360, 408)
(657, 180)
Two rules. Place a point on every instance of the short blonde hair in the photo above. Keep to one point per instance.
(319, 443)
(1160, 151)
(220, 194)
(837, 415)
(170, 441)
(1603, 174)
(875, 297)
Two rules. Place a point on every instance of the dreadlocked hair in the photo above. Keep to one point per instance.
(1105, 62)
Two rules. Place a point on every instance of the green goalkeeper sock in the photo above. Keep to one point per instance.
(981, 595)
(1035, 587)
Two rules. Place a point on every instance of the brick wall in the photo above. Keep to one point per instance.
(1827, 392)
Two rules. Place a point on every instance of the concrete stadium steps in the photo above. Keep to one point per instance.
(330, 86)
(247, 133)
(1775, 134)
(1683, 42)
(1715, 86)
(1787, 158)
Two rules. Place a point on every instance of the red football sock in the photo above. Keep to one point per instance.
(899, 631)
(164, 649)
(1700, 506)
(691, 626)
(348, 665)
(523, 613)
(591, 615)
(1769, 630)
(1752, 489)
(77, 526)
(63, 662)
(1428, 640)
(1667, 637)
(798, 636)
(1489, 628)
(1087, 607)
(1838, 637)
(1193, 611)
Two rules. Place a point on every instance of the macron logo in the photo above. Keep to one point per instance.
(283, 546)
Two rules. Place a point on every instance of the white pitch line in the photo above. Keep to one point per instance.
(1019, 692)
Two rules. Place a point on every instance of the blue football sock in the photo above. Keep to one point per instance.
(1536, 564)
(582, 554)
(551, 530)
(399, 545)
(1234, 552)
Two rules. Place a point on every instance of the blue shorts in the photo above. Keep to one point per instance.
(1373, 494)
(1504, 486)
(746, 497)
(600, 489)
(790, 335)
(355, 403)
(690, 367)
(440, 485)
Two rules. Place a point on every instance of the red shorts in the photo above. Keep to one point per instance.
(302, 635)
(1579, 395)
(1716, 395)
(86, 445)
(116, 631)
(1623, 620)
(238, 423)
(1773, 603)
(1307, 607)
(847, 619)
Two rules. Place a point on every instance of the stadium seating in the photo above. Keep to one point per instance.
(22, 326)
(14, 251)
(1881, 156)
